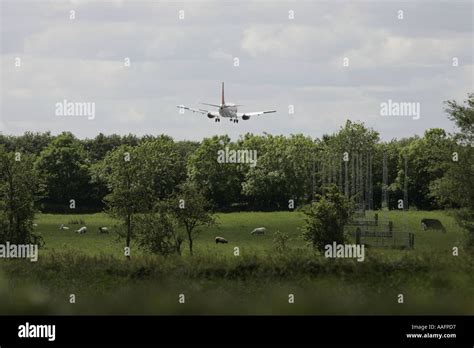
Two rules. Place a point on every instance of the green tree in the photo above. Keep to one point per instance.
(353, 137)
(192, 211)
(325, 219)
(129, 193)
(396, 152)
(158, 232)
(98, 147)
(282, 172)
(428, 159)
(137, 179)
(161, 167)
(220, 182)
(30, 142)
(463, 117)
(65, 170)
(359, 144)
(19, 189)
(456, 187)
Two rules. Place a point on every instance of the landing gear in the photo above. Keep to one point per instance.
(235, 120)
(217, 120)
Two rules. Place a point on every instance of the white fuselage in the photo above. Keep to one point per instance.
(228, 110)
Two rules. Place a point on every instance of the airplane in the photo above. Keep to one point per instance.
(226, 110)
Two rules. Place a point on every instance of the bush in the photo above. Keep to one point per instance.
(325, 219)
(280, 241)
(157, 232)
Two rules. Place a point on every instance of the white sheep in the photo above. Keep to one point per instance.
(258, 231)
(62, 227)
(82, 230)
(221, 240)
(103, 230)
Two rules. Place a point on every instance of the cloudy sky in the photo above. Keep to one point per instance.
(282, 62)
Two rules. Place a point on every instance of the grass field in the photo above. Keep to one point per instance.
(259, 281)
(236, 228)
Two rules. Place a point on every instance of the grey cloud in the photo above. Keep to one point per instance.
(282, 62)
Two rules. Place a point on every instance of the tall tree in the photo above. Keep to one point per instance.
(356, 144)
(161, 166)
(65, 170)
(192, 210)
(282, 171)
(220, 182)
(129, 193)
(32, 143)
(428, 158)
(456, 187)
(19, 189)
(138, 178)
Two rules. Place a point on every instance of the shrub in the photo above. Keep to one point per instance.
(325, 219)
(280, 241)
(157, 231)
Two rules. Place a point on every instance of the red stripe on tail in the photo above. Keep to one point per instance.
(223, 101)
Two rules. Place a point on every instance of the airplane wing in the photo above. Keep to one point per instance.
(247, 115)
(191, 109)
(201, 111)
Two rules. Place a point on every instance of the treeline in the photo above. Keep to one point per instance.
(288, 172)
(66, 165)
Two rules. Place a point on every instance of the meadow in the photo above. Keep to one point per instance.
(92, 266)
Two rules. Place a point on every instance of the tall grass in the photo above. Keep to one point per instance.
(214, 281)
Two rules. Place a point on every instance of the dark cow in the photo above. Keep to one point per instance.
(432, 224)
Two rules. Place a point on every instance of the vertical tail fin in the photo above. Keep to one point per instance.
(223, 101)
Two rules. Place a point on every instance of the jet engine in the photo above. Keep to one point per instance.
(245, 117)
(210, 115)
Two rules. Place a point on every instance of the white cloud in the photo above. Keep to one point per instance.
(385, 50)
(183, 61)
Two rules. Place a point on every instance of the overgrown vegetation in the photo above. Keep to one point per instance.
(157, 231)
(326, 218)
(19, 189)
(247, 285)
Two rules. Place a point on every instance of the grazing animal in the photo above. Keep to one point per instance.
(103, 230)
(258, 231)
(62, 227)
(432, 224)
(82, 230)
(221, 240)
